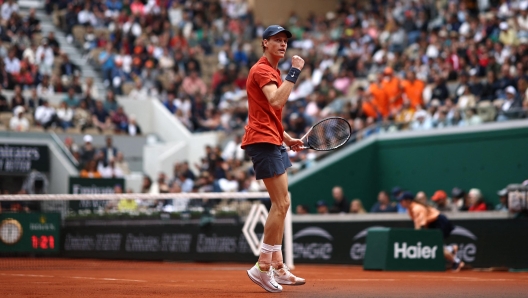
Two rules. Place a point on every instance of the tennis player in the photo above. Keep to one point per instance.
(263, 141)
(427, 217)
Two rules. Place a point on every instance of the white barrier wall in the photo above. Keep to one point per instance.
(178, 145)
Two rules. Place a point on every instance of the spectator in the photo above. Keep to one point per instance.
(44, 58)
(90, 101)
(459, 199)
(194, 85)
(413, 90)
(422, 121)
(106, 60)
(70, 99)
(302, 209)
(393, 87)
(169, 103)
(34, 100)
(18, 99)
(44, 88)
(101, 118)
(503, 201)
(45, 115)
(19, 122)
(110, 170)
(138, 93)
(70, 145)
(82, 117)
(341, 204)
(126, 204)
(356, 207)
(133, 128)
(8, 8)
(12, 63)
(109, 151)
(442, 202)
(65, 116)
(421, 197)
(466, 100)
(384, 204)
(146, 184)
(476, 202)
(322, 207)
(512, 106)
(440, 90)
(89, 85)
(160, 186)
(90, 170)
(67, 67)
(110, 103)
(120, 120)
(87, 151)
(4, 105)
(395, 193)
(120, 163)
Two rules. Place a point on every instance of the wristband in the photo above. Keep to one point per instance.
(293, 75)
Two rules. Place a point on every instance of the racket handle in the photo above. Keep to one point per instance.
(302, 147)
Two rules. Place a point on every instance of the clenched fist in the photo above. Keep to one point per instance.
(297, 62)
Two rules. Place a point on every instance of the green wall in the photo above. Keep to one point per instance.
(488, 160)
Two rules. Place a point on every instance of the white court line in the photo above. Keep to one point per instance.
(28, 275)
(358, 279)
(463, 278)
(104, 278)
(76, 277)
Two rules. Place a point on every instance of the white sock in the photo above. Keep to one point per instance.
(277, 247)
(266, 248)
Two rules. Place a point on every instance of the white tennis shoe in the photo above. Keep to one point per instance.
(265, 279)
(284, 277)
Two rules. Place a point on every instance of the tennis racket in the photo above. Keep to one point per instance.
(327, 134)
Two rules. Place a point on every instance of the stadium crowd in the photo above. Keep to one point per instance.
(402, 64)
(458, 201)
(383, 65)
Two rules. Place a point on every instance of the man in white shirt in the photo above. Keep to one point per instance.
(110, 171)
(44, 58)
(19, 122)
(12, 64)
(8, 8)
(522, 20)
(45, 115)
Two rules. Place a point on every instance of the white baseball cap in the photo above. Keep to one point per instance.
(88, 139)
(510, 90)
(503, 26)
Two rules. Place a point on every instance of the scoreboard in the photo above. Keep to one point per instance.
(30, 232)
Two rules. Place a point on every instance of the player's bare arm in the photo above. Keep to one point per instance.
(278, 97)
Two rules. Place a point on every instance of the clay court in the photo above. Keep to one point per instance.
(89, 278)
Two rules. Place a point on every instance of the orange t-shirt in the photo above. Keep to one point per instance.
(392, 88)
(414, 91)
(381, 99)
(421, 215)
(264, 122)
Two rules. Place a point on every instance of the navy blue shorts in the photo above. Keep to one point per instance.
(268, 159)
(443, 224)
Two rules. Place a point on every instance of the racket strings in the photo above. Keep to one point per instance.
(329, 134)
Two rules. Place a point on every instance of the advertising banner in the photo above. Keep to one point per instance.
(482, 243)
(404, 250)
(92, 186)
(219, 242)
(21, 159)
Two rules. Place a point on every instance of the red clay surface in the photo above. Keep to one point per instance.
(90, 278)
